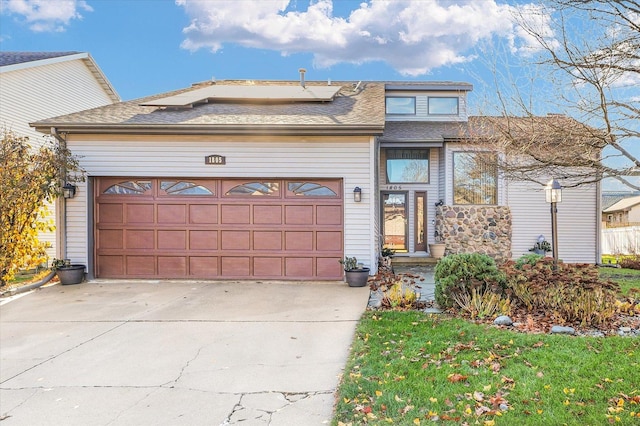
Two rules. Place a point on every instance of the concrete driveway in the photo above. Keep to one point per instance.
(176, 353)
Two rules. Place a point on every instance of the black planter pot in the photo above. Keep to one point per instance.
(357, 277)
(73, 274)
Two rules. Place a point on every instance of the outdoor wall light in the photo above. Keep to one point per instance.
(553, 194)
(553, 191)
(68, 191)
(357, 194)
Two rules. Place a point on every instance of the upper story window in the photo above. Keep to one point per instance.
(407, 165)
(475, 178)
(443, 106)
(400, 105)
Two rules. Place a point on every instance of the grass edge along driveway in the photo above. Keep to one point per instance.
(411, 368)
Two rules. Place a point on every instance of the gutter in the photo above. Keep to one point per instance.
(353, 130)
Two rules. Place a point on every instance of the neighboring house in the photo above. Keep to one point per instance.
(624, 212)
(280, 180)
(37, 85)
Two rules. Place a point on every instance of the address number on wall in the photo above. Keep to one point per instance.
(393, 187)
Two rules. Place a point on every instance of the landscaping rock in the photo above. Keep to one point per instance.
(503, 320)
(558, 329)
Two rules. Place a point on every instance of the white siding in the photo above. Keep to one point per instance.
(34, 93)
(422, 103)
(351, 159)
(577, 221)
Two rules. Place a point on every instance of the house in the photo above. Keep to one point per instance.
(624, 212)
(37, 85)
(620, 209)
(280, 180)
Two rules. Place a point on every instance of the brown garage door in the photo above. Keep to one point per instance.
(196, 228)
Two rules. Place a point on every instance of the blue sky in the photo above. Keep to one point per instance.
(146, 47)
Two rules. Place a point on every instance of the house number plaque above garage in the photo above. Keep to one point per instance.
(215, 160)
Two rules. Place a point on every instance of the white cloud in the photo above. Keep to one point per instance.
(46, 15)
(414, 37)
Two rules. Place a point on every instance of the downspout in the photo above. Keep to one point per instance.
(598, 222)
(61, 204)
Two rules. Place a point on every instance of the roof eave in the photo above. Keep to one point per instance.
(350, 130)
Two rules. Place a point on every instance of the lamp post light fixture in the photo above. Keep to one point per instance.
(357, 194)
(553, 195)
(68, 190)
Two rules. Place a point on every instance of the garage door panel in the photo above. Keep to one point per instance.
(329, 215)
(171, 214)
(140, 214)
(141, 265)
(110, 266)
(328, 241)
(253, 229)
(203, 266)
(172, 240)
(172, 266)
(267, 240)
(299, 240)
(140, 239)
(328, 267)
(203, 214)
(267, 215)
(236, 240)
(236, 266)
(298, 215)
(267, 267)
(110, 213)
(299, 267)
(203, 240)
(236, 214)
(111, 238)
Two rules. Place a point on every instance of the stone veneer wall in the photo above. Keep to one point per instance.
(475, 229)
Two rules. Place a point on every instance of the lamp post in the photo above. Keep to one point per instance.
(553, 195)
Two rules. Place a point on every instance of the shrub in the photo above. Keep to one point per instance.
(528, 259)
(572, 293)
(460, 273)
(630, 262)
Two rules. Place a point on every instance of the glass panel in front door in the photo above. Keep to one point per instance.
(420, 221)
(394, 205)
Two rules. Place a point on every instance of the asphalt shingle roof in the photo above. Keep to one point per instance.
(361, 107)
(12, 58)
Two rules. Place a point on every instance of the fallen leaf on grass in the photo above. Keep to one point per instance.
(456, 377)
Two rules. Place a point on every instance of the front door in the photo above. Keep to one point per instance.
(394, 205)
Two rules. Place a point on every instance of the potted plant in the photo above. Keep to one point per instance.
(385, 257)
(437, 248)
(68, 273)
(355, 273)
(541, 247)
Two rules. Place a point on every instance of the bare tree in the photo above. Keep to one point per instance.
(591, 59)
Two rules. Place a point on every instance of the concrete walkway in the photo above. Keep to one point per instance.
(176, 353)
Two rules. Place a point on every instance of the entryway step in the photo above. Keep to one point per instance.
(409, 260)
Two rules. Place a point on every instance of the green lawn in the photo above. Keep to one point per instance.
(410, 368)
(628, 279)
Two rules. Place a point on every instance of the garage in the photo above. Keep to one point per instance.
(218, 228)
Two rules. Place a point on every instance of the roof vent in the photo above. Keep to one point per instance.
(302, 71)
